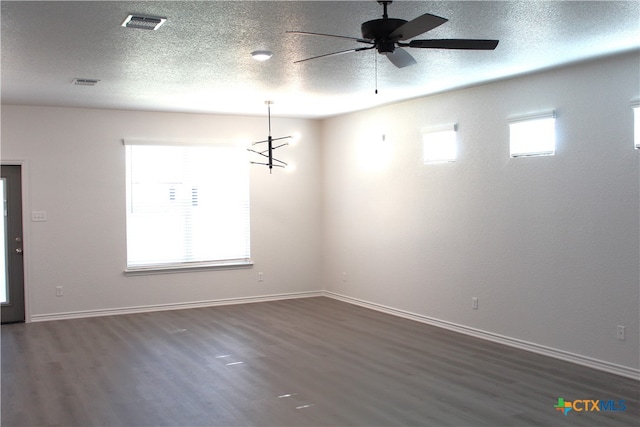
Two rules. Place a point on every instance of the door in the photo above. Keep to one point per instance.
(12, 276)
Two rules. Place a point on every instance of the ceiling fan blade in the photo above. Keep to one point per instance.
(471, 44)
(334, 54)
(306, 33)
(417, 26)
(401, 58)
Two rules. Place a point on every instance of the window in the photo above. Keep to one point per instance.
(439, 144)
(533, 135)
(187, 205)
(636, 124)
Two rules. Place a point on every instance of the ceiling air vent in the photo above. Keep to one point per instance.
(85, 82)
(143, 22)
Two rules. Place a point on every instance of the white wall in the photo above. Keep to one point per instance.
(549, 245)
(74, 167)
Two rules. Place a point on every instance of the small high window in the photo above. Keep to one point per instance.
(533, 135)
(439, 144)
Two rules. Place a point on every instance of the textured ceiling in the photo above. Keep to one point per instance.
(199, 60)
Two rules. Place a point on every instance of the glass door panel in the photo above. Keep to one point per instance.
(3, 250)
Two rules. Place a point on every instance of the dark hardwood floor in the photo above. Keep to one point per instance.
(302, 362)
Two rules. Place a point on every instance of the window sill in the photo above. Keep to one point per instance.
(187, 268)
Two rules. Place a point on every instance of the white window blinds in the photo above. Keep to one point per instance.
(187, 205)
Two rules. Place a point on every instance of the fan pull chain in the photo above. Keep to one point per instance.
(375, 58)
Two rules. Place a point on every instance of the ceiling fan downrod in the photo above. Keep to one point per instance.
(384, 5)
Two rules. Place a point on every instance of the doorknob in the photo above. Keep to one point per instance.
(19, 250)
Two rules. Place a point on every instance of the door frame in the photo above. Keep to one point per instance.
(26, 225)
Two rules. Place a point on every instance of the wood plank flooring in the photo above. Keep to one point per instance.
(302, 362)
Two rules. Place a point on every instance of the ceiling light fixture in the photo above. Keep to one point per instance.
(143, 22)
(261, 55)
(270, 148)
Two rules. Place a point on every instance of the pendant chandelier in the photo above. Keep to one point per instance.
(267, 153)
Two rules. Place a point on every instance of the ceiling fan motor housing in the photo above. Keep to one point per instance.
(379, 29)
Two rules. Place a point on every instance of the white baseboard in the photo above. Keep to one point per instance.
(600, 365)
(176, 306)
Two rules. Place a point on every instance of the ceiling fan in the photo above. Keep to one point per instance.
(389, 36)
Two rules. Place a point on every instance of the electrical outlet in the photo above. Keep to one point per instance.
(261, 277)
(474, 303)
(621, 332)
(59, 291)
(344, 276)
